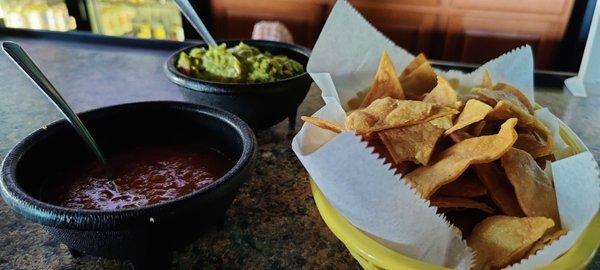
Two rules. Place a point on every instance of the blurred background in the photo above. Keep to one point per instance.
(467, 31)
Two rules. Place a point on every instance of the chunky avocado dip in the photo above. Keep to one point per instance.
(239, 64)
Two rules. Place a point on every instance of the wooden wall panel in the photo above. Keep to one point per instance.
(457, 30)
(478, 39)
(235, 18)
(412, 30)
(520, 6)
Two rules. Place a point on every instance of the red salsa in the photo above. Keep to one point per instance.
(139, 177)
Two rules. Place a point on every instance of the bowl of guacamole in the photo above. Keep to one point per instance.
(263, 82)
(239, 64)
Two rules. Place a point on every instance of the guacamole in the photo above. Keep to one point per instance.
(239, 64)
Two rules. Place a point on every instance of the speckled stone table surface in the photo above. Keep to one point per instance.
(273, 223)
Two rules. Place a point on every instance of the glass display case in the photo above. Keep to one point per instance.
(156, 19)
(36, 14)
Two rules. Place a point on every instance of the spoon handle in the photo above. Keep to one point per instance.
(188, 11)
(20, 57)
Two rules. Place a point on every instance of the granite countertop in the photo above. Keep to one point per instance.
(273, 222)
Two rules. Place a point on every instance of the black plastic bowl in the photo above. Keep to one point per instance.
(148, 234)
(261, 105)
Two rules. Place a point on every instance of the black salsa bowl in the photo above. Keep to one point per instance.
(261, 105)
(146, 235)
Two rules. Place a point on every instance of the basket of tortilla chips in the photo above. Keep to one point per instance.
(421, 168)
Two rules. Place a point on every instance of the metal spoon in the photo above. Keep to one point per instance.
(190, 14)
(20, 57)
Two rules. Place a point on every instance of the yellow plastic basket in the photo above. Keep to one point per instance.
(372, 255)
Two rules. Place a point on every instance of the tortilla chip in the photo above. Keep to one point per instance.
(363, 120)
(408, 113)
(385, 83)
(473, 112)
(419, 82)
(459, 136)
(467, 185)
(501, 191)
(546, 240)
(507, 88)
(444, 122)
(485, 127)
(324, 124)
(544, 161)
(355, 102)
(505, 109)
(459, 202)
(443, 94)
(499, 241)
(534, 189)
(477, 128)
(492, 97)
(455, 160)
(414, 64)
(387, 113)
(405, 167)
(379, 148)
(465, 95)
(465, 219)
(444, 143)
(486, 82)
(414, 143)
(533, 144)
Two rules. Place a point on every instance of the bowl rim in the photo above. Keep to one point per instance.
(58, 216)
(175, 76)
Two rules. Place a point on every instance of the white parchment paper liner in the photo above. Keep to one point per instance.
(364, 189)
